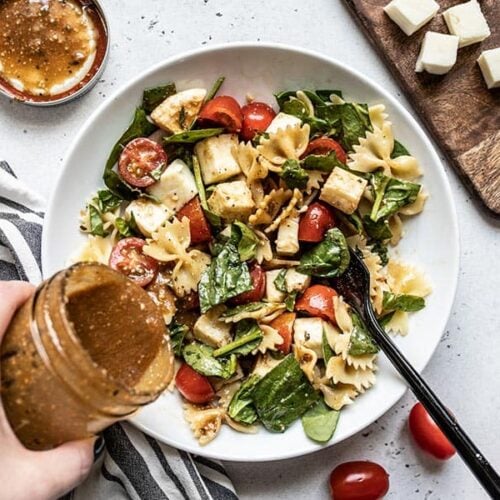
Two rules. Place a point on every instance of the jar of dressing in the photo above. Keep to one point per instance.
(89, 348)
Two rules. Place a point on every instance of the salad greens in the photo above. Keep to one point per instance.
(361, 341)
(215, 88)
(399, 150)
(250, 307)
(241, 408)
(200, 358)
(214, 219)
(283, 395)
(294, 175)
(247, 240)
(192, 136)
(178, 333)
(96, 223)
(328, 259)
(247, 337)
(325, 348)
(409, 303)
(126, 227)
(378, 231)
(323, 163)
(320, 422)
(154, 96)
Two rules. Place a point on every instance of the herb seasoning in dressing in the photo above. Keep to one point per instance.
(49, 48)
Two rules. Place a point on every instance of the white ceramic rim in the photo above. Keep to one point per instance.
(455, 244)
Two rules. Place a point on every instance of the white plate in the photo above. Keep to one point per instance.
(431, 241)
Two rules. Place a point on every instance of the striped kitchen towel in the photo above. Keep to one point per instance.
(132, 464)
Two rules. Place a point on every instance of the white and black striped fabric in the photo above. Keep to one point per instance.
(131, 464)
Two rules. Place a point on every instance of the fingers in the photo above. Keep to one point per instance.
(13, 294)
(63, 468)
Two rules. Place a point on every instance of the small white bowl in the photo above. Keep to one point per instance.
(431, 240)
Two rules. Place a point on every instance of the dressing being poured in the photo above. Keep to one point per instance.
(49, 47)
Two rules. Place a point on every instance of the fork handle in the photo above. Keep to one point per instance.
(470, 454)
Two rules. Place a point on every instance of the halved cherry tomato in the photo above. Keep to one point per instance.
(284, 326)
(198, 224)
(323, 145)
(193, 386)
(257, 116)
(317, 220)
(361, 480)
(224, 111)
(317, 300)
(141, 162)
(428, 435)
(127, 258)
(258, 290)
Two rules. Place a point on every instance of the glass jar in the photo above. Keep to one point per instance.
(89, 348)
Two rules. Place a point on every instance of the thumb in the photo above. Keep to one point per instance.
(65, 467)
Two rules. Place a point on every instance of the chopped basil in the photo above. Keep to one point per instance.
(248, 336)
(399, 150)
(294, 175)
(408, 303)
(280, 281)
(290, 301)
(325, 348)
(192, 136)
(126, 228)
(214, 219)
(215, 88)
(250, 307)
(241, 408)
(154, 96)
(107, 201)
(361, 341)
(200, 358)
(96, 223)
(320, 422)
(178, 333)
(247, 240)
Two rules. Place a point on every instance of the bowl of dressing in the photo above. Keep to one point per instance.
(51, 51)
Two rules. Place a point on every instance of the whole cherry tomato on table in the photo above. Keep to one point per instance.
(323, 146)
(258, 287)
(360, 480)
(223, 111)
(283, 324)
(193, 386)
(128, 258)
(317, 220)
(141, 162)
(257, 116)
(428, 435)
(317, 300)
(198, 224)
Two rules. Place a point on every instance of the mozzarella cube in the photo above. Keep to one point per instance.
(272, 293)
(287, 241)
(216, 158)
(295, 281)
(438, 53)
(467, 22)
(343, 190)
(148, 215)
(309, 333)
(176, 186)
(177, 112)
(489, 62)
(210, 330)
(411, 15)
(282, 121)
(232, 200)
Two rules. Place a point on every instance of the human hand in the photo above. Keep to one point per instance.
(35, 475)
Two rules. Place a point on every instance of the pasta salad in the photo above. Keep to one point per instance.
(235, 219)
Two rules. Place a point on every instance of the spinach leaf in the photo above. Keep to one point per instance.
(355, 122)
(399, 150)
(96, 222)
(247, 240)
(214, 219)
(378, 231)
(290, 301)
(328, 259)
(178, 334)
(383, 320)
(361, 341)
(296, 108)
(283, 97)
(154, 96)
(106, 201)
(200, 358)
(382, 251)
(140, 127)
(225, 278)
(351, 222)
(192, 136)
(408, 303)
(283, 395)
(280, 281)
(325, 348)
(248, 336)
(320, 422)
(250, 307)
(323, 163)
(390, 195)
(126, 228)
(294, 175)
(325, 94)
(241, 408)
(215, 88)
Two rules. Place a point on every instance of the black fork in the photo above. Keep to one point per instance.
(354, 286)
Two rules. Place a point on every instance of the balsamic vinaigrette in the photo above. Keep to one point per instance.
(49, 48)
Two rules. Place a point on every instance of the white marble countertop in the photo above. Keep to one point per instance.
(464, 370)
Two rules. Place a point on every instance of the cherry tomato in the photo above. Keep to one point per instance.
(317, 300)
(284, 325)
(193, 386)
(198, 224)
(224, 111)
(323, 145)
(257, 116)
(259, 287)
(141, 162)
(428, 435)
(127, 258)
(358, 481)
(317, 220)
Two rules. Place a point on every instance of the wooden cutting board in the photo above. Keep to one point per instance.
(458, 109)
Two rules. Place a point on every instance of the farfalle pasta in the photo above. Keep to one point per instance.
(238, 236)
